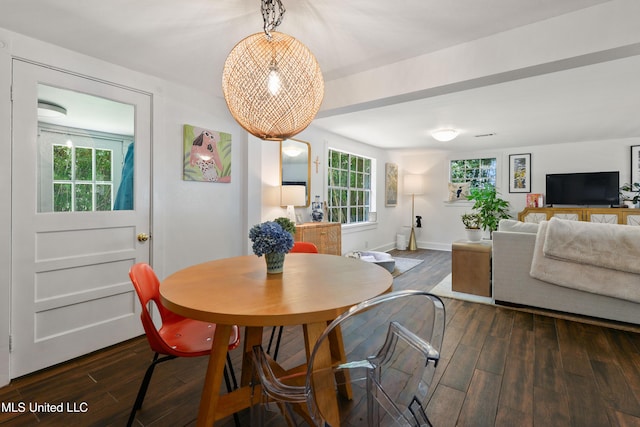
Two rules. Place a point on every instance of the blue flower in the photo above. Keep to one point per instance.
(270, 237)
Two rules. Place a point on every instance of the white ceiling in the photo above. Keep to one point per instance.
(187, 42)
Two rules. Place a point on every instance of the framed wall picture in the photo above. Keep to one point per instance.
(520, 173)
(206, 155)
(391, 184)
(635, 164)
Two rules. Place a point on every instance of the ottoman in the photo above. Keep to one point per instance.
(471, 267)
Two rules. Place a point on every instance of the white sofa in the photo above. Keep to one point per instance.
(513, 247)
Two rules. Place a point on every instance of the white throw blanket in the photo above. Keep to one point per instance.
(580, 275)
(611, 246)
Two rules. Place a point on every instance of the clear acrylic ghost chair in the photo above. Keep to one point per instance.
(391, 349)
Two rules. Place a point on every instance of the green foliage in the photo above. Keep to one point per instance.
(84, 197)
(62, 162)
(286, 224)
(84, 164)
(62, 197)
(489, 206)
(634, 189)
(103, 165)
(471, 220)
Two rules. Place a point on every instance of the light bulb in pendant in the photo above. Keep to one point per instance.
(273, 81)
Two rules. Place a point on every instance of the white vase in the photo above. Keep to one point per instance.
(474, 234)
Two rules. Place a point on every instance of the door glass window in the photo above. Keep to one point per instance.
(86, 152)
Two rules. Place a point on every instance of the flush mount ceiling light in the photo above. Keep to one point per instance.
(272, 83)
(51, 110)
(444, 135)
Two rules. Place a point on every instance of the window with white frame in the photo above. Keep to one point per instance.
(476, 171)
(80, 170)
(82, 179)
(350, 187)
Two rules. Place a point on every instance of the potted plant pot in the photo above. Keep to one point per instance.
(474, 234)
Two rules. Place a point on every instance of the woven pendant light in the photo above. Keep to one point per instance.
(272, 83)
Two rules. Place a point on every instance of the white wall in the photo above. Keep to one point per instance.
(192, 221)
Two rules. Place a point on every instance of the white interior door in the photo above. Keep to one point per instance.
(79, 201)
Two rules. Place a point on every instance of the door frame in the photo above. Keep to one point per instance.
(5, 210)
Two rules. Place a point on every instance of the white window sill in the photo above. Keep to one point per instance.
(461, 203)
(362, 226)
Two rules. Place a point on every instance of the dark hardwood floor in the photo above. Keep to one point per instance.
(499, 366)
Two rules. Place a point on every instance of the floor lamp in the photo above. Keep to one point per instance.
(291, 196)
(413, 186)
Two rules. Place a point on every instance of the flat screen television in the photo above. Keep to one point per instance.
(585, 188)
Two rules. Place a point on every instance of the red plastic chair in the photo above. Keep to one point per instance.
(298, 247)
(304, 247)
(177, 337)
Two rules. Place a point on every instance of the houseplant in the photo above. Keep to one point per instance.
(489, 206)
(471, 223)
(272, 241)
(630, 193)
(286, 224)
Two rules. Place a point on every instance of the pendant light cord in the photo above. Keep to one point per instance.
(272, 14)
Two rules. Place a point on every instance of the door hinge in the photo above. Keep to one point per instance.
(10, 343)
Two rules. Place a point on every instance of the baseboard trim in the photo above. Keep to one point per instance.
(571, 316)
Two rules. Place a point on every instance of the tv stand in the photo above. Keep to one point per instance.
(603, 215)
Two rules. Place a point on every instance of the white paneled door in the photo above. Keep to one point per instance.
(80, 213)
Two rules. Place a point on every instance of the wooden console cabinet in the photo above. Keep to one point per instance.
(604, 215)
(327, 236)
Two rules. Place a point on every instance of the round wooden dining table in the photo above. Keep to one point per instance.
(312, 290)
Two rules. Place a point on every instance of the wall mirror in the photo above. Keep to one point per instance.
(295, 165)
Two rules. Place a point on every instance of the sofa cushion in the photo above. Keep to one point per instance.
(517, 226)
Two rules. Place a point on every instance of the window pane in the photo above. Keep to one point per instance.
(343, 198)
(103, 197)
(62, 197)
(84, 164)
(334, 159)
(334, 178)
(84, 197)
(62, 162)
(103, 165)
(344, 161)
(343, 179)
(353, 197)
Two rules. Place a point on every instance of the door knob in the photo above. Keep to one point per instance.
(143, 237)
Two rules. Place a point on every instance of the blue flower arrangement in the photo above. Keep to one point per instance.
(270, 237)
